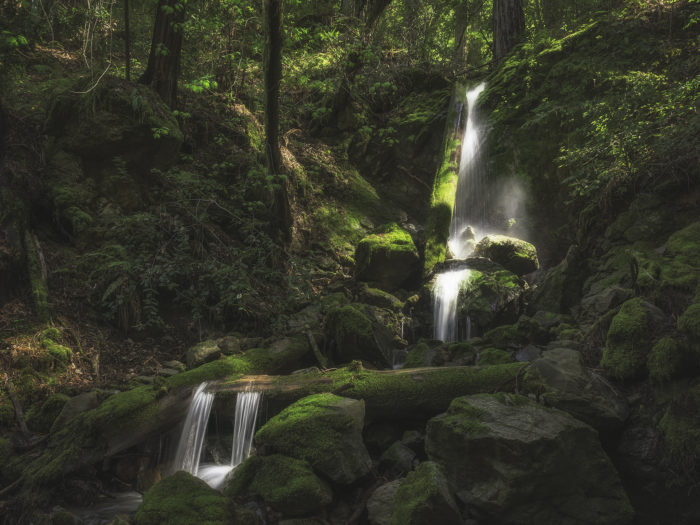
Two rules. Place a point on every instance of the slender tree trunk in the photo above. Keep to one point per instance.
(164, 59)
(508, 26)
(461, 24)
(281, 215)
(127, 41)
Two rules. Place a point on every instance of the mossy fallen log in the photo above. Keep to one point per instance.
(392, 394)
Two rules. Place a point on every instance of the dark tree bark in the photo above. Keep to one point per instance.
(127, 41)
(281, 214)
(164, 59)
(508, 26)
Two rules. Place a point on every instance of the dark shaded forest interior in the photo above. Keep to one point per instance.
(349, 262)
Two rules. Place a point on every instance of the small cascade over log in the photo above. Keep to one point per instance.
(189, 448)
(244, 425)
(192, 438)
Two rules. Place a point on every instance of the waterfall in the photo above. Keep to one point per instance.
(244, 425)
(468, 222)
(469, 214)
(245, 416)
(189, 448)
(445, 307)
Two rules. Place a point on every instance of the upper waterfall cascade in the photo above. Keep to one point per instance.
(468, 221)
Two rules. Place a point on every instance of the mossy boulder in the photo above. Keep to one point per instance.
(689, 324)
(182, 499)
(494, 356)
(381, 503)
(379, 298)
(628, 341)
(11, 467)
(515, 461)
(202, 352)
(42, 419)
(685, 244)
(680, 428)
(388, 259)
(515, 255)
(286, 484)
(326, 431)
(426, 354)
(668, 359)
(424, 498)
(361, 332)
(574, 389)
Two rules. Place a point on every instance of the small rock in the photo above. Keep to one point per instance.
(380, 505)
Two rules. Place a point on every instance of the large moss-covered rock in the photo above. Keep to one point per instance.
(628, 341)
(326, 431)
(515, 255)
(361, 332)
(286, 484)
(576, 390)
(668, 360)
(424, 498)
(515, 461)
(182, 499)
(680, 427)
(388, 259)
(381, 503)
(689, 324)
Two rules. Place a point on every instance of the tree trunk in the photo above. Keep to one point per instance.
(164, 59)
(281, 214)
(508, 26)
(461, 24)
(127, 41)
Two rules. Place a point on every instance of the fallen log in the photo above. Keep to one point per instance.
(388, 394)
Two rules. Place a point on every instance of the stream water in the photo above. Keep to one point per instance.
(467, 225)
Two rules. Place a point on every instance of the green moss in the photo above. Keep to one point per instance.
(494, 356)
(7, 413)
(42, 419)
(387, 257)
(505, 336)
(686, 243)
(40, 292)
(182, 499)
(424, 497)
(515, 255)
(8, 472)
(689, 323)
(680, 427)
(309, 429)
(416, 356)
(286, 484)
(667, 360)
(627, 343)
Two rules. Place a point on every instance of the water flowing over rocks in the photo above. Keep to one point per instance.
(513, 461)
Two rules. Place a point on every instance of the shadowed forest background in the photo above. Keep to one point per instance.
(261, 192)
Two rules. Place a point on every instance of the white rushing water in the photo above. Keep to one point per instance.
(469, 214)
(446, 293)
(189, 448)
(467, 225)
(245, 417)
(244, 425)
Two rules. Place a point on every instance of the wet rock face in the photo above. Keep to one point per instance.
(512, 460)
(515, 255)
(326, 431)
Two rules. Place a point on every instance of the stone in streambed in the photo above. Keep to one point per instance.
(326, 431)
(515, 255)
(183, 499)
(514, 461)
(424, 498)
(286, 484)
